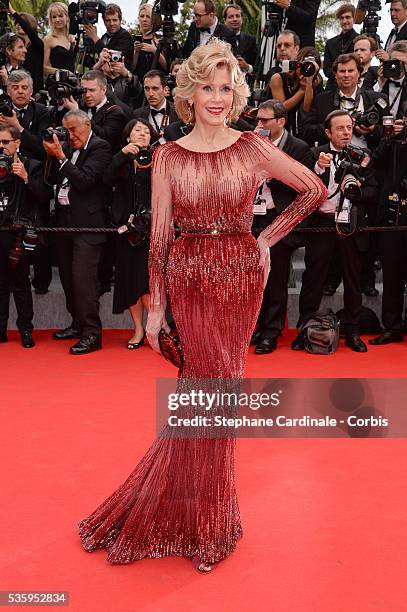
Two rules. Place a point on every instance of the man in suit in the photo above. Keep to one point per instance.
(320, 247)
(398, 15)
(21, 188)
(80, 200)
(115, 37)
(204, 27)
(365, 48)
(346, 96)
(343, 43)
(271, 199)
(300, 16)
(246, 46)
(159, 112)
(395, 89)
(390, 159)
(30, 119)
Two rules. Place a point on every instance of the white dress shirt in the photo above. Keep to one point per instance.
(63, 194)
(204, 37)
(329, 206)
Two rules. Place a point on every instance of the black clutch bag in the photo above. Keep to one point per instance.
(170, 347)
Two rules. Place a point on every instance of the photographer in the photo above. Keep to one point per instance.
(206, 26)
(352, 188)
(398, 15)
(296, 89)
(115, 37)
(390, 159)
(77, 170)
(343, 43)
(346, 96)
(108, 119)
(21, 184)
(28, 117)
(122, 85)
(271, 199)
(159, 112)
(12, 55)
(27, 27)
(365, 48)
(395, 87)
(131, 180)
(246, 45)
(300, 16)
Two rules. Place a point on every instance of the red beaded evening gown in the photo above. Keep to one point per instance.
(181, 499)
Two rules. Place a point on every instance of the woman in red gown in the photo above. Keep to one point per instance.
(180, 499)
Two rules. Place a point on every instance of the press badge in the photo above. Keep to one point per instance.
(259, 206)
(63, 198)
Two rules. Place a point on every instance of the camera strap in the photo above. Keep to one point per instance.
(400, 89)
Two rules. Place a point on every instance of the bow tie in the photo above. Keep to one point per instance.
(205, 30)
(347, 99)
(395, 83)
(154, 112)
(394, 32)
(20, 112)
(93, 110)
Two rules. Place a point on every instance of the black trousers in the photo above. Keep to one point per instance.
(270, 322)
(17, 282)
(393, 254)
(78, 263)
(319, 249)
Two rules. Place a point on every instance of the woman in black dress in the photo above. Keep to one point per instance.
(132, 194)
(295, 90)
(59, 45)
(145, 45)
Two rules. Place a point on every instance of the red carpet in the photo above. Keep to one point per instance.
(324, 521)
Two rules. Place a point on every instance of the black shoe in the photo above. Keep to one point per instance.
(329, 290)
(298, 344)
(87, 344)
(67, 334)
(265, 346)
(355, 343)
(27, 340)
(387, 337)
(370, 291)
(255, 337)
(3, 336)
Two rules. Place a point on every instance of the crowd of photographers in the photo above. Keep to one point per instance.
(80, 116)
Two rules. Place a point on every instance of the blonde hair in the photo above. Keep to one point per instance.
(199, 69)
(61, 7)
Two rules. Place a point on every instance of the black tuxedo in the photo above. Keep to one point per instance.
(144, 112)
(192, 41)
(312, 123)
(343, 43)
(390, 159)
(369, 78)
(22, 202)
(108, 123)
(79, 254)
(120, 41)
(36, 118)
(178, 128)
(402, 107)
(246, 47)
(401, 35)
(301, 18)
(319, 250)
(270, 322)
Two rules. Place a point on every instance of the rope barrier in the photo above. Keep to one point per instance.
(112, 230)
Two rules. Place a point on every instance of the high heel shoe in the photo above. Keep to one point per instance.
(135, 345)
(202, 566)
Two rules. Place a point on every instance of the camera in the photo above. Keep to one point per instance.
(61, 133)
(6, 165)
(85, 12)
(372, 115)
(115, 56)
(393, 69)
(137, 227)
(63, 84)
(143, 158)
(6, 105)
(389, 131)
(137, 38)
(307, 66)
(350, 161)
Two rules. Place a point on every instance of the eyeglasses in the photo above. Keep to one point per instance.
(6, 142)
(266, 120)
(196, 15)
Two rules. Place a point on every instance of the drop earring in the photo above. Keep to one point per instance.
(190, 115)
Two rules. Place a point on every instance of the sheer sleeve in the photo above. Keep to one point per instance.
(273, 163)
(162, 237)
